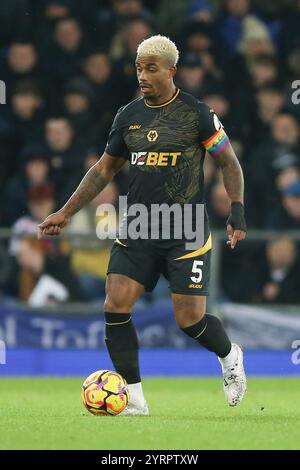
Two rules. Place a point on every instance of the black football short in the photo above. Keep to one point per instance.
(144, 261)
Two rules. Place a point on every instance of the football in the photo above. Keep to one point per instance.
(105, 392)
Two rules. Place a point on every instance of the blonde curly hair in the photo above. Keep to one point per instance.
(159, 46)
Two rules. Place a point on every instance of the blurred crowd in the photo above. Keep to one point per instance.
(68, 65)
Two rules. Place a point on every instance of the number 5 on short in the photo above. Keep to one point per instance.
(197, 270)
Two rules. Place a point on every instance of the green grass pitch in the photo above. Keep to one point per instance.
(186, 413)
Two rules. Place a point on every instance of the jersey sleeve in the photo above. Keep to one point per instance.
(212, 134)
(116, 146)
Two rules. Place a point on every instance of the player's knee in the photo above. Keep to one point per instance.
(189, 310)
(116, 303)
(185, 319)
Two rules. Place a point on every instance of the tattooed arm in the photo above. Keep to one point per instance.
(232, 174)
(234, 184)
(91, 185)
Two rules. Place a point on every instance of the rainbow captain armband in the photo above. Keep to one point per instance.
(216, 143)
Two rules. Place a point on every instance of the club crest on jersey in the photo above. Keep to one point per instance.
(154, 158)
(152, 136)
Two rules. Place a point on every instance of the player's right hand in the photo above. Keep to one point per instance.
(53, 224)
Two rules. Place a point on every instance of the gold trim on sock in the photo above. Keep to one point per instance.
(201, 332)
(121, 323)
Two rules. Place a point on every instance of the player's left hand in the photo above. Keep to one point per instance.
(236, 224)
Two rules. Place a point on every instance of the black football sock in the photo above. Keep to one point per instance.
(210, 333)
(122, 344)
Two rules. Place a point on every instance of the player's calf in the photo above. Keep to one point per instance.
(210, 333)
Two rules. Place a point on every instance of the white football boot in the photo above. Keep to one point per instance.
(235, 383)
(133, 409)
(137, 405)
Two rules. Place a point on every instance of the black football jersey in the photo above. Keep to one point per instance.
(165, 145)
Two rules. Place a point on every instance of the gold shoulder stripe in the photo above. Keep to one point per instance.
(120, 243)
(201, 251)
